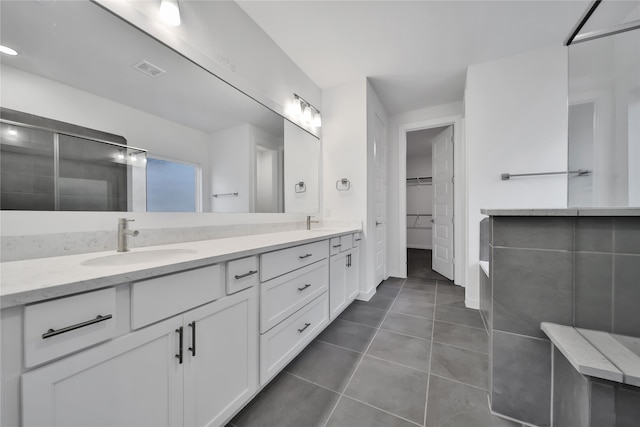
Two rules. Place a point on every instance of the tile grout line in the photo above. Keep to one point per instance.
(433, 329)
(361, 359)
(460, 382)
(348, 397)
(459, 324)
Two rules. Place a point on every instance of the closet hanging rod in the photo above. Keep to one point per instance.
(580, 172)
(419, 214)
(225, 194)
(419, 178)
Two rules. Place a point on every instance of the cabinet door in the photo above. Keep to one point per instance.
(353, 275)
(337, 281)
(134, 380)
(223, 373)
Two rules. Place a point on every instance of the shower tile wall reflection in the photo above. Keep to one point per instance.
(91, 175)
(27, 166)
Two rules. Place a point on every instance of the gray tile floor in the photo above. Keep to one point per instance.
(412, 355)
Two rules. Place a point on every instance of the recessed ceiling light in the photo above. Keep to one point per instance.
(7, 50)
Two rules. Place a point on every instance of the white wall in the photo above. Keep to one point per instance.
(301, 157)
(43, 97)
(396, 258)
(516, 122)
(232, 169)
(219, 36)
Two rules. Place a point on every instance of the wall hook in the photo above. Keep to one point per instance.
(343, 184)
(300, 187)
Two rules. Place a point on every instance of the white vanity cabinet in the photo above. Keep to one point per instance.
(294, 305)
(344, 276)
(193, 369)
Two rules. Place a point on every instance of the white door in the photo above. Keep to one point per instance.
(442, 164)
(221, 358)
(379, 154)
(135, 380)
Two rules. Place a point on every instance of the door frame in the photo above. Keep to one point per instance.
(459, 191)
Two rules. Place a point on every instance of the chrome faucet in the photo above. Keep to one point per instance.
(123, 232)
(309, 222)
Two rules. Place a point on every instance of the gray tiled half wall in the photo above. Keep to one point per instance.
(533, 232)
(521, 385)
(531, 286)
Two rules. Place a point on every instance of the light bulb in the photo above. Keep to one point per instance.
(170, 12)
(12, 131)
(7, 50)
(317, 120)
(306, 114)
(120, 156)
(296, 106)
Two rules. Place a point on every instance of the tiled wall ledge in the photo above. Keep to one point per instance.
(563, 212)
(16, 248)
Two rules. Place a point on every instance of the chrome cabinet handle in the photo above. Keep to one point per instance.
(305, 256)
(179, 355)
(241, 276)
(306, 325)
(304, 287)
(378, 223)
(53, 332)
(192, 349)
(336, 246)
(357, 240)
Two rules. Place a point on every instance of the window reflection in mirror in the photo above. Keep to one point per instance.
(604, 121)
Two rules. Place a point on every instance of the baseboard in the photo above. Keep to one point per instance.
(472, 303)
(366, 296)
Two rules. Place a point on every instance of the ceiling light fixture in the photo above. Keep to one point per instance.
(7, 50)
(12, 131)
(304, 111)
(170, 12)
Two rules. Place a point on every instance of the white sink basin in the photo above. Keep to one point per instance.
(138, 257)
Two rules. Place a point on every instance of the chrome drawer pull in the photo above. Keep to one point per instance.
(241, 276)
(52, 332)
(304, 287)
(336, 246)
(357, 240)
(305, 256)
(306, 325)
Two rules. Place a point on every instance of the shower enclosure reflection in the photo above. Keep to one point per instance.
(604, 115)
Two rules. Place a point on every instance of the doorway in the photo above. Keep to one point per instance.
(429, 203)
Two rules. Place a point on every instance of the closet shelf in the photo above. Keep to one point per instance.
(422, 180)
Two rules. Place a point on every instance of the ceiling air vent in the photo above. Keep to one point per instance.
(149, 69)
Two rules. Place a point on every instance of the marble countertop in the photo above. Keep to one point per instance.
(32, 280)
(596, 353)
(563, 212)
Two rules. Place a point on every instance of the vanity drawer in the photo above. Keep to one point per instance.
(346, 242)
(284, 295)
(356, 239)
(284, 341)
(161, 297)
(334, 246)
(58, 327)
(242, 274)
(277, 263)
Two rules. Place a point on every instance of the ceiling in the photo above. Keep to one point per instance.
(414, 52)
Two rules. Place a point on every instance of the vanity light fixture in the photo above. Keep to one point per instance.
(170, 12)
(7, 50)
(304, 111)
(12, 131)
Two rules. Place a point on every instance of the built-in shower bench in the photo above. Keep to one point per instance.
(595, 377)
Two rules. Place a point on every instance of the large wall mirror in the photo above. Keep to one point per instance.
(97, 115)
(604, 108)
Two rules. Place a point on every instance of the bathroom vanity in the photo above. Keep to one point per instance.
(182, 334)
